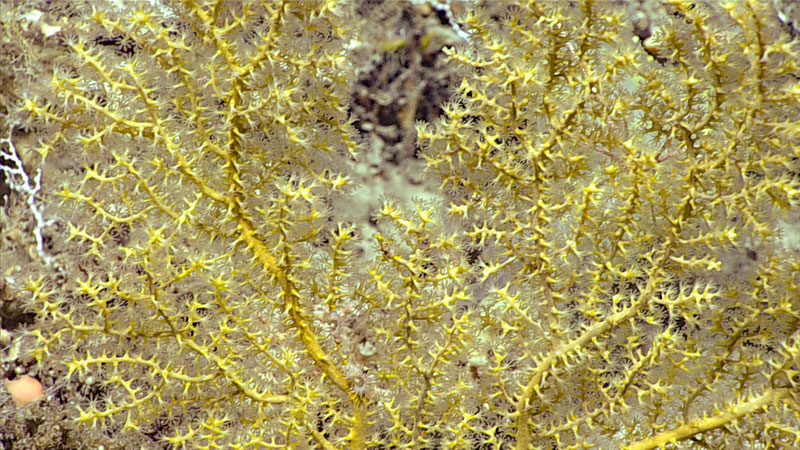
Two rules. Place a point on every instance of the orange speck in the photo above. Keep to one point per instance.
(25, 390)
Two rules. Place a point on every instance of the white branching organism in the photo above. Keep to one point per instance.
(19, 181)
(446, 9)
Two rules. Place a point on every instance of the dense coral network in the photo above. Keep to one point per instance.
(387, 224)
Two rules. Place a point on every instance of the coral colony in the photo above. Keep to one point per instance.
(401, 224)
